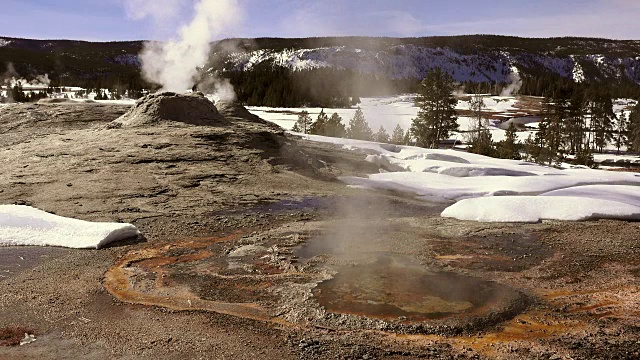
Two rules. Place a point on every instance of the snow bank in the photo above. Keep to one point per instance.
(24, 225)
(620, 193)
(532, 209)
(489, 189)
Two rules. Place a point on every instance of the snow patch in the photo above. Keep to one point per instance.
(488, 189)
(578, 72)
(24, 225)
(621, 193)
(531, 209)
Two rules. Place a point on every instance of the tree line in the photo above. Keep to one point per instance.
(576, 121)
(267, 84)
(17, 94)
(358, 128)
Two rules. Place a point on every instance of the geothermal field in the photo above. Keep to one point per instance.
(160, 200)
(221, 233)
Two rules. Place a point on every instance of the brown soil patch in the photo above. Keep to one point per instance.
(12, 335)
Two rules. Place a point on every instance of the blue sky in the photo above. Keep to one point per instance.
(103, 20)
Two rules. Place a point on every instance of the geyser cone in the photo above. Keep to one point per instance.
(194, 109)
(234, 110)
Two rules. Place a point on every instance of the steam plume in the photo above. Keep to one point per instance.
(459, 91)
(515, 83)
(174, 64)
(12, 78)
(9, 74)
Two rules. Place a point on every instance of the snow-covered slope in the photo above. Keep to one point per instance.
(412, 61)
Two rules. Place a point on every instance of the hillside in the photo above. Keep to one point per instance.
(477, 58)
(329, 71)
(73, 63)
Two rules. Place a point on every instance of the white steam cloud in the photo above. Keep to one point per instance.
(174, 64)
(515, 83)
(11, 78)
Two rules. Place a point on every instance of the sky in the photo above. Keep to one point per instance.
(111, 20)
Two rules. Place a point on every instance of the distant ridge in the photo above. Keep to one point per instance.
(471, 58)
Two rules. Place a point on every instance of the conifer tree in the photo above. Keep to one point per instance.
(575, 127)
(328, 126)
(531, 149)
(551, 132)
(359, 128)
(539, 148)
(303, 124)
(381, 136)
(509, 148)
(319, 126)
(602, 120)
(437, 117)
(479, 137)
(633, 143)
(621, 131)
(408, 140)
(335, 127)
(397, 137)
(17, 95)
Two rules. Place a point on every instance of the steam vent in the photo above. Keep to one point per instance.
(194, 109)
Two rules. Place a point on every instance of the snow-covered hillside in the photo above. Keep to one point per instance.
(411, 61)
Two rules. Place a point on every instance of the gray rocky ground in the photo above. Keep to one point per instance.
(253, 249)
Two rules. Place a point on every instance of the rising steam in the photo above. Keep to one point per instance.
(515, 83)
(11, 78)
(174, 64)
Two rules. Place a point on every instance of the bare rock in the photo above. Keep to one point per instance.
(194, 109)
(235, 111)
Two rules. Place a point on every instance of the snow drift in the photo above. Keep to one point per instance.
(497, 190)
(24, 225)
(531, 209)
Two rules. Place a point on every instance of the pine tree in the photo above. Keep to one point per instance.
(359, 128)
(479, 137)
(531, 149)
(437, 116)
(303, 124)
(408, 140)
(538, 146)
(633, 144)
(335, 127)
(319, 126)
(575, 127)
(509, 148)
(621, 131)
(602, 120)
(381, 136)
(17, 95)
(397, 137)
(552, 127)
